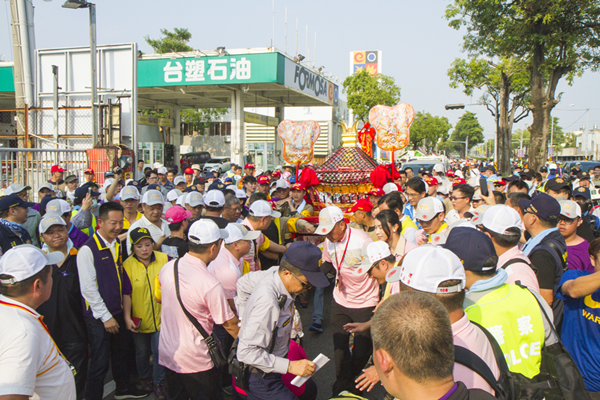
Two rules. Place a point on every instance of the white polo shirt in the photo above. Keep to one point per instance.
(154, 230)
(30, 363)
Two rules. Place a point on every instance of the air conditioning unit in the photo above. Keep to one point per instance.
(227, 139)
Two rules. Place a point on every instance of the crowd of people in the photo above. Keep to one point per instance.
(187, 285)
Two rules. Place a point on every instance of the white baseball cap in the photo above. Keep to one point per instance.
(173, 194)
(129, 192)
(24, 261)
(477, 195)
(428, 208)
(499, 218)
(282, 184)
(371, 253)
(478, 213)
(328, 217)
(442, 189)
(179, 179)
(240, 194)
(153, 197)
(196, 167)
(390, 187)
(438, 168)
(262, 208)
(552, 166)
(49, 220)
(425, 267)
(46, 185)
(161, 171)
(570, 209)
(239, 232)
(181, 200)
(206, 231)
(58, 206)
(194, 199)
(16, 188)
(156, 165)
(214, 198)
(107, 183)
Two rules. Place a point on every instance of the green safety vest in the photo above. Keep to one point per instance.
(512, 315)
(92, 229)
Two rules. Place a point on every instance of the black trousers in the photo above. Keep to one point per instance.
(77, 354)
(348, 365)
(196, 386)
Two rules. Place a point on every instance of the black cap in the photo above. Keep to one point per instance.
(136, 184)
(543, 169)
(490, 168)
(473, 247)
(511, 178)
(583, 176)
(583, 192)
(83, 191)
(216, 185)
(192, 188)
(307, 258)
(210, 175)
(422, 169)
(13, 200)
(543, 205)
(138, 234)
(526, 173)
(44, 202)
(556, 184)
(199, 181)
(154, 186)
(109, 174)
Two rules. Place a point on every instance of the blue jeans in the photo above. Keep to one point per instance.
(106, 348)
(146, 343)
(317, 315)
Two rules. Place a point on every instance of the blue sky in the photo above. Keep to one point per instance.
(417, 44)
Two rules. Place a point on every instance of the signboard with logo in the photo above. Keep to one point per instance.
(369, 60)
(260, 119)
(232, 69)
(305, 80)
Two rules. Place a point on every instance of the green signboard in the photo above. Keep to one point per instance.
(7, 83)
(230, 69)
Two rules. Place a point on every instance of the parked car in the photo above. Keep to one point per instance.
(220, 164)
(416, 165)
(189, 159)
(585, 166)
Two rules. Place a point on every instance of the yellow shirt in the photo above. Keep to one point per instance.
(126, 223)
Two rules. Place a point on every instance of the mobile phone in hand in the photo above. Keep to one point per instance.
(483, 186)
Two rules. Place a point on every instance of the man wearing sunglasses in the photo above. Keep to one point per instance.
(462, 195)
(265, 300)
(546, 249)
(577, 247)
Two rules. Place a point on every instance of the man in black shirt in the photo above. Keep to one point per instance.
(176, 245)
(214, 201)
(546, 249)
(63, 312)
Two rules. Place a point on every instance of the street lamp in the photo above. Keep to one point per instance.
(75, 4)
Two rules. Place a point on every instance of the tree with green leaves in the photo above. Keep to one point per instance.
(427, 130)
(467, 127)
(365, 91)
(171, 42)
(505, 84)
(193, 119)
(558, 38)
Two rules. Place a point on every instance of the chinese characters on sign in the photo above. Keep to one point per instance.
(216, 70)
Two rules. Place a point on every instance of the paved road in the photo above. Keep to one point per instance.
(313, 343)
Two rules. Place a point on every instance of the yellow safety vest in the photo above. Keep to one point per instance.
(87, 231)
(144, 305)
(512, 316)
(408, 223)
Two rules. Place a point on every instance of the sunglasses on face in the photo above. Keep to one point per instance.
(305, 285)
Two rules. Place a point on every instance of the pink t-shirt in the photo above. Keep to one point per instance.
(352, 291)
(467, 335)
(181, 347)
(519, 271)
(251, 257)
(227, 269)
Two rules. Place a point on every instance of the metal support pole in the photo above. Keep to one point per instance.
(92, 8)
(55, 103)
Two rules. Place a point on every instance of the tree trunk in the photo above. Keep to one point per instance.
(504, 137)
(537, 148)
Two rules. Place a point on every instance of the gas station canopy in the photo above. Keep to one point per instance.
(207, 79)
